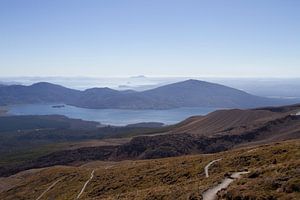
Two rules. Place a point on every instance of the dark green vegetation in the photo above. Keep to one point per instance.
(191, 93)
(24, 138)
(18, 123)
(219, 131)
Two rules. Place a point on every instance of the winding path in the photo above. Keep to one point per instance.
(208, 165)
(49, 188)
(211, 194)
(86, 183)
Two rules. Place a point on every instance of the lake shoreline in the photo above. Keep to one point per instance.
(3, 111)
(114, 117)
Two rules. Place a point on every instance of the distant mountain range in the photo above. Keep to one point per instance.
(190, 93)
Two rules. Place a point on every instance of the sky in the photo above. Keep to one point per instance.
(119, 38)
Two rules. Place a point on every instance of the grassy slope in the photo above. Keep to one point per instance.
(274, 174)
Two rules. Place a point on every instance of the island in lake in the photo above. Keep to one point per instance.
(58, 106)
(3, 111)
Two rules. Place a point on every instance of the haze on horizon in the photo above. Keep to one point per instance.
(153, 38)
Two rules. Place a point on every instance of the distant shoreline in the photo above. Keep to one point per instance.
(3, 111)
(108, 116)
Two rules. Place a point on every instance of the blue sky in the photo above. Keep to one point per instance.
(232, 38)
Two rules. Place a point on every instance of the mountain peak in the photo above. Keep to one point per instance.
(139, 77)
(192, 81)
(41, 84)
(189, 93)
(104, 90)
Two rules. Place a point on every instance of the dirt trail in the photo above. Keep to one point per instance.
(49, 188)
(208, 165)
(211, 194)
(86, 183)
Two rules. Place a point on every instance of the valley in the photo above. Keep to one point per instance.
(67, 145)
(150, 100)
(200, 157)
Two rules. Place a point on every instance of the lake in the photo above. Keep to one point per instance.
(117, 117)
